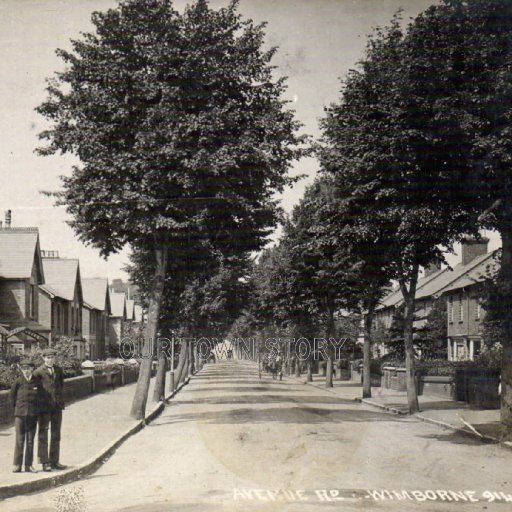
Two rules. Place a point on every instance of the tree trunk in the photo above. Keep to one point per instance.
(309, 377)
(505, 281)
(410, 374)
(367, 353)
(159, 391)
(182, 361)
(330, 350)
(191, 359)
(297, 367)
(138, 409)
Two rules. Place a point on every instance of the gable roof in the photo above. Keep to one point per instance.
(130, 313)
(395, 298)
(138, 313)
(96, 293)
(19, 250)
(62, 276)
(477, 273)
(445, 280)
(118, 304)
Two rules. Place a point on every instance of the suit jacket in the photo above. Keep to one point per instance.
(27, 397)
(53, 387)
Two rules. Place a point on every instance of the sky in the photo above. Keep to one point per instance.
(319, 41)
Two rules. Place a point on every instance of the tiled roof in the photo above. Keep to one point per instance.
(138, 313)
(18, 248)
(118, 304)
(445, 280)
(130, 304)
(475, 274)
(95, 291)
(395, 297)
(61, 276)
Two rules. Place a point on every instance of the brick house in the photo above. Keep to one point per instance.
(21, 273)
(61, 300)
(95, 314)
(117, 319)
(464, 308)
(446, 284)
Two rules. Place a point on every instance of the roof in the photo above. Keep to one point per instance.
(61, 277)
(138, 313)
(19, 247)
(446, 280)
(118, 304)
(95, 290)
(130, 314)
(395, 298)
(476, 274)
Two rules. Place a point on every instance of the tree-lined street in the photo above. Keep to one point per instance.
(229, 439)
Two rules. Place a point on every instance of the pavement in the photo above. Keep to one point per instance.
(230, 441)
(482, 424)
(92, 428)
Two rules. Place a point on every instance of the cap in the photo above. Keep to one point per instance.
(49, 352)
(27, 362)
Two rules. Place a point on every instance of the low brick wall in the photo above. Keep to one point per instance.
(6, 412)
(438, 386)
(394, 378)
(77, 387)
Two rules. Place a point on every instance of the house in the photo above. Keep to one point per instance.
(21, 273)
(440, 284)
(95, 314)
(464, 308)
(117, 318)
(61, 300)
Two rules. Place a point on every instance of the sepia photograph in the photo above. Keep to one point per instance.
(255, 255)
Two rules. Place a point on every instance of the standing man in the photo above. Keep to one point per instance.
(25, 395)
(52, 379)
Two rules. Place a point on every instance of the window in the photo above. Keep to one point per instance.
(461, 308)
(478, 309)
(450, 309)
(32, 302)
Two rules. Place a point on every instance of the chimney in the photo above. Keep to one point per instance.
(50, 254)
(8, 218)
(432, 268)
(472, 248)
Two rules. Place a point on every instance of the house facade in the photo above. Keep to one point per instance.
(117, 319)
(95, 314)
(61, 300)
(21, 273)
(460, 288)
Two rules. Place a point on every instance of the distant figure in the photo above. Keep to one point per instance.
(26, 396)
(52, 379)
(230, 354)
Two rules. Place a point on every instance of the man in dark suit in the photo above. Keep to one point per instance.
(26, 396)
(52, 379)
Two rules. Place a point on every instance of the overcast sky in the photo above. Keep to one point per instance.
(318, 40)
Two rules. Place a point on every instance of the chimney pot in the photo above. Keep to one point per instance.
(473, 248)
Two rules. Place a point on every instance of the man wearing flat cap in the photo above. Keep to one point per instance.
(52, 379)
(26, 398)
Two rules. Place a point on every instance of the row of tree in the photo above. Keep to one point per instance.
(183, 140)
(414, 157)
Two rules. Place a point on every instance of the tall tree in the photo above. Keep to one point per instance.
(460, 56)
(378, 152)
(181, 133)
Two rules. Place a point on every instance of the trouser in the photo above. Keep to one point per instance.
(25, 430)
(49, 421)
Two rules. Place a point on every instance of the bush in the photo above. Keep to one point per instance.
(8, 374)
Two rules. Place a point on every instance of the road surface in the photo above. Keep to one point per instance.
(232, 442)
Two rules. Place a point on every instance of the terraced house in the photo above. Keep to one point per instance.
(95, 314)
(21, 273)
(61, 300)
